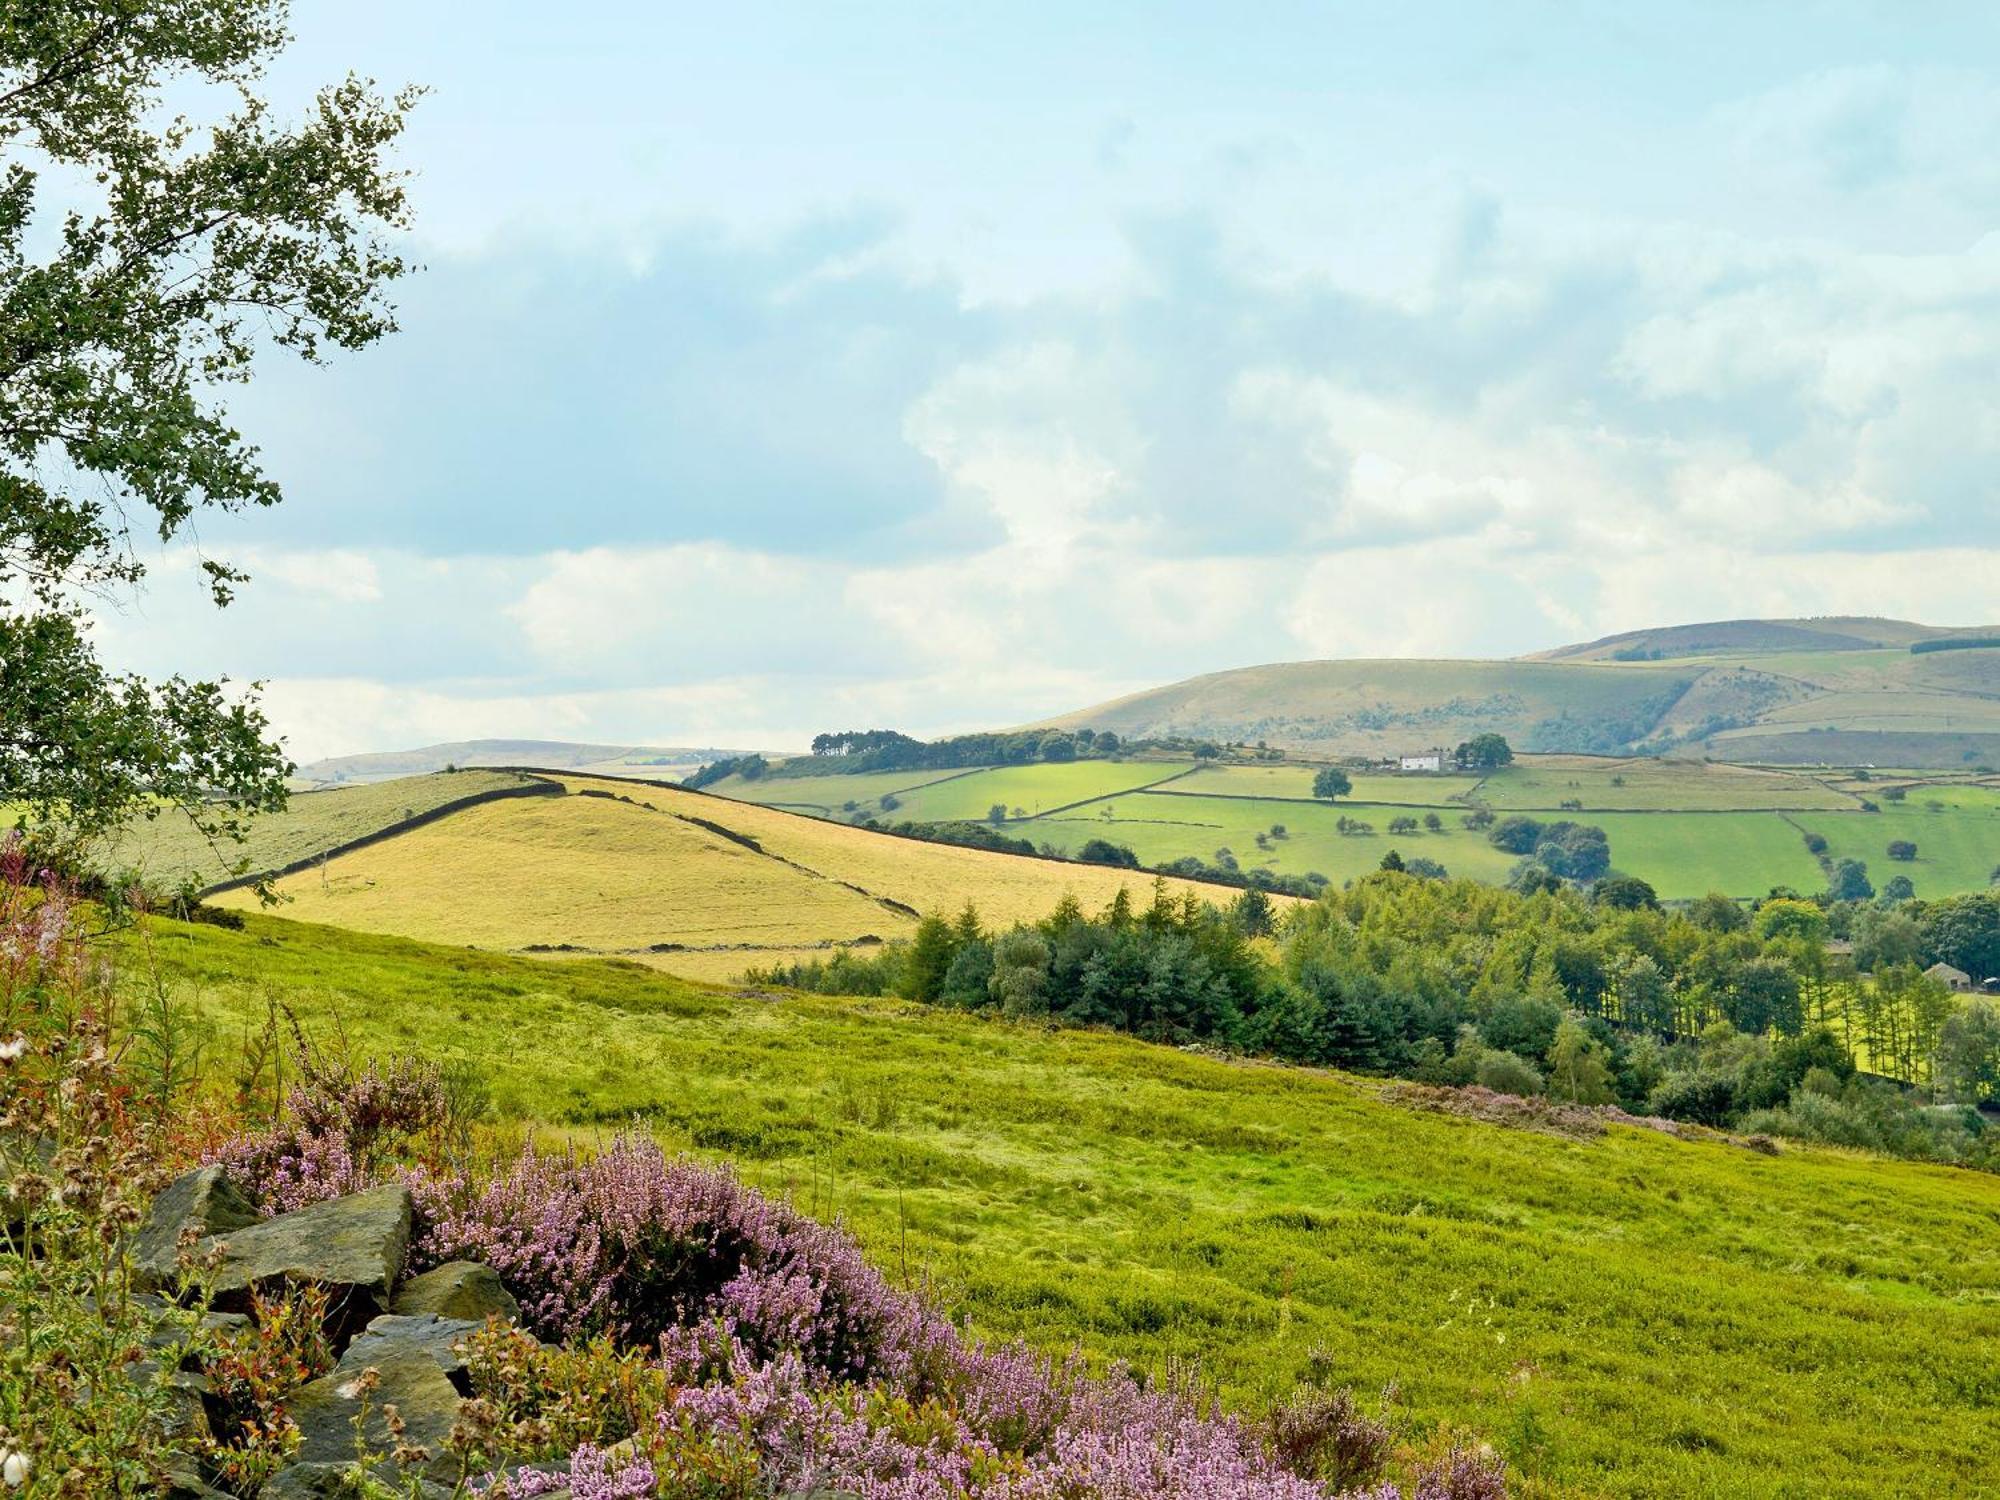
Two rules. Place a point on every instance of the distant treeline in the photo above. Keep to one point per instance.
(1954, 643)
(854, 751)
(1711, 1015)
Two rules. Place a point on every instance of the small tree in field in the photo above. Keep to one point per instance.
(1330, 783)
(1902, 849)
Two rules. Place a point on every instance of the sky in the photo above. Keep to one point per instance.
(776, 368)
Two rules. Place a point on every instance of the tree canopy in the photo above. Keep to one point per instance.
(148, 261)
(1331, 782)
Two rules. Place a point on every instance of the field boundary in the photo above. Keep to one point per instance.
(535, 787)
(1838, 812)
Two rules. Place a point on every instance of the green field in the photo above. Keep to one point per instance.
(1026, 791)
(1416, 790)
(1688, 827)
(951, 796)
(1545, 783)
(1956, 850)
(1684, 855)
(1629, 1315)
(1160, 826)
(826, 796)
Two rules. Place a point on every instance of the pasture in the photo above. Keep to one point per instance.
(1629, 1314)
(1544, 783)
(1688, 827)
(1958, 848)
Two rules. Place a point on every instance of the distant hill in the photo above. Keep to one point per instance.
(1840, 690)
(384, 765)
(1749, 638)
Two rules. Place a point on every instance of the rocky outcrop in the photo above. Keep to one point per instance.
(458, 1289)
(399, 1342)
(353, 1247)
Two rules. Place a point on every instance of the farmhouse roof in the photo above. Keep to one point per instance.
(1948, 974)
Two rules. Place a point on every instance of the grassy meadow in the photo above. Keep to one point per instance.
(1630, 1315)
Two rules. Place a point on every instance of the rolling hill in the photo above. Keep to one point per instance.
(696, 884)
(1781, 692)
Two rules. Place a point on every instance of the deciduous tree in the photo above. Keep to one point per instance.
(147, 262)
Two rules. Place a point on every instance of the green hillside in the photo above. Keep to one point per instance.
(1791, 692)
(1623, 1313)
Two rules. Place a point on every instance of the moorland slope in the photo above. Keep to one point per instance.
(1620, 1311)
(1847, 691)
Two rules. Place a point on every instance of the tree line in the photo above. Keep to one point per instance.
(1709, 1014)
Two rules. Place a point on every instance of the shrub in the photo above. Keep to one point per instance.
(80, 1417)
(1506, 1073)
(1703, 1098)
(1902, 849)
(633, 1244)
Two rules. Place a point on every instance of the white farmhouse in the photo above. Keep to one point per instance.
(1430, 760)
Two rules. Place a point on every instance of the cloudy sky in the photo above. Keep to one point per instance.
(784, 367)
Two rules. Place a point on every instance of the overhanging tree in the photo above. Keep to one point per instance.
(147, 261)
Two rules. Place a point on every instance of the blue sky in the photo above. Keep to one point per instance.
(784, 367)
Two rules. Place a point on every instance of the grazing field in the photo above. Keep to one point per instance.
(1546, 782)
(1416, 790)
(950, 796)
(618, 866)
(1159, 826)
(1026, 791)
(1957, 850)
(1688, 827)
(825, 796)
(1684, 855)
(169, 851)
(1630, 1315)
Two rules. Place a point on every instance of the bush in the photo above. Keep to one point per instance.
(1702, 1098)
(1505, 1073)
(1104, 852)
(1902, 849)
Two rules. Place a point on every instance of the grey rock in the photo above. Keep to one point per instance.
(396, 1334)
(458, 1289)
(408, 1379)
(204, 1201)
(351, 1246)
(181, 1479)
